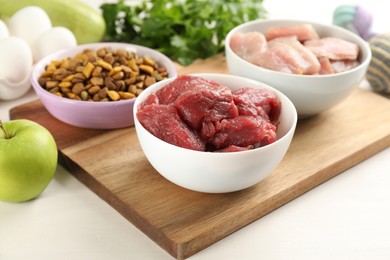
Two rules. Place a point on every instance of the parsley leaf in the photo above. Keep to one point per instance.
(184, 30)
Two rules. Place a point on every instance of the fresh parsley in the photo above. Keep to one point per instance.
(184, 30)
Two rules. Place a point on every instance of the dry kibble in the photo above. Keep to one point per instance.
(65, 84)
(133, 89)
(109, 58)
(96, 81)
(115, 70)
(149, 61)
(133, 65)
(101, 75)
(93, 90)
(127, 95)
(78, 88)
(101, 52)
(119, 75)
(87, 70)
(149, 81)
(51, 84)
(104, 65)
(97, 71)
(103, 92)
(146, 68)
(54, 90)
(113, 95)
(84, 95)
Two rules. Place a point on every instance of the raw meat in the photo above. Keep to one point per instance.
(287, 54)
(344, 65)
(303, 32)
(164, 122)
(204, 104)
(333, 48)
(248, 45)
(326, 66)
(151, 99)
(257, 102)
(183, 83)
(202, 115)
(244, 131)
(234, 148)
(296, 50)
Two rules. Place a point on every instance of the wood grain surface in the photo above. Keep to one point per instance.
(183, 222)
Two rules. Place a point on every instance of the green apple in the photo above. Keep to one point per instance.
(28, 160)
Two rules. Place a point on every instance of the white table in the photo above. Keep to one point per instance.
(347, 217)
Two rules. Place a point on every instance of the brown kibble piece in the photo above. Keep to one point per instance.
(104, 65)
(149, 81)
(93, 90)
(146, 68)
(113, 95)
(96, 81)
(101, 75)
(88, 70)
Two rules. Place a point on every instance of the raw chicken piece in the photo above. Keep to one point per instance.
(326, 66)
(287, 54)
(344, 65)
(303, 32)
(248, 45)
(333, 48)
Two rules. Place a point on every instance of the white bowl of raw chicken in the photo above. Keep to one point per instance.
(311, 94)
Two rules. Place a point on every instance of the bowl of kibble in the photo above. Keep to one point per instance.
(95, 85)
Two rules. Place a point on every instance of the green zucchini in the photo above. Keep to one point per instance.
(86, 23)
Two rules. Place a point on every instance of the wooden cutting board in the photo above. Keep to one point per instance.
(112, 164)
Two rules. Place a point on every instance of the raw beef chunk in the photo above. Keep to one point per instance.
(234, 148)
(206, 116)
(204, 104)
(164, 122)
(244, 131)
(151, 99)
(183, 83)
(257, 102)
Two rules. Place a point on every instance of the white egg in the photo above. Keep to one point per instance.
(28, 23)
(3, 30)
(16, 59)
(55, 39)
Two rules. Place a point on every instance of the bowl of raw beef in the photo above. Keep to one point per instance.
(214, 133)
(316, 65)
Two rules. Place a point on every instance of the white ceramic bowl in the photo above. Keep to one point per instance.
(96, 115)
(311, 94)
(217, 172)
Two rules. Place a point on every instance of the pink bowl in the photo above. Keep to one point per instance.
(97, 115)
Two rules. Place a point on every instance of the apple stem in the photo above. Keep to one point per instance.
(4, 130)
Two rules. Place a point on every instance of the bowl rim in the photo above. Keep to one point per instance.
(116, 45)
(361, 41)
(162, 83)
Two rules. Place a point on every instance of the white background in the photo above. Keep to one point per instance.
(347, 217)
